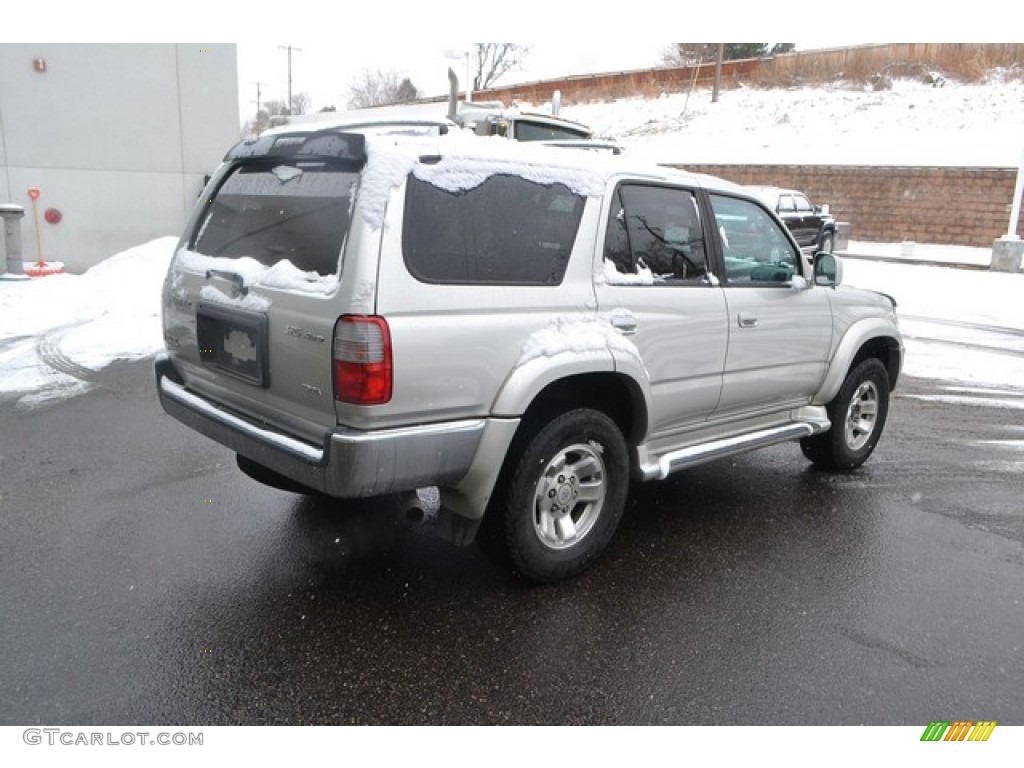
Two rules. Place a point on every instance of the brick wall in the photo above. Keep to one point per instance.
(953, 206)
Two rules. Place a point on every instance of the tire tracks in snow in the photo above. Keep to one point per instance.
(49, 352)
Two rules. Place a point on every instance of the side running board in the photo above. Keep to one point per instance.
(717, 449)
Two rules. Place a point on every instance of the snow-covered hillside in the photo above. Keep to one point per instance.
(912, 123)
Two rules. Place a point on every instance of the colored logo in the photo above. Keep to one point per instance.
(959, 730)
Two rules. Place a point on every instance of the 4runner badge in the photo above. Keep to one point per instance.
(301, 333)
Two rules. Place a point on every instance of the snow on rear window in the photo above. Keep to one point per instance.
(282, 213)
(283, 275)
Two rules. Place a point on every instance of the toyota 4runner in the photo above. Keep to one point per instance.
(524, 328)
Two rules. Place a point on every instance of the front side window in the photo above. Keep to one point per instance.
(505, 231)
(276, 212)
(656, 230)
(755, 248)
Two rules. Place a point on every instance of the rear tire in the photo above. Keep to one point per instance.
(563, 497)
(858, 415)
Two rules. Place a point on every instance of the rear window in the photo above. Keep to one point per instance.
(505, 231)
(280, 212)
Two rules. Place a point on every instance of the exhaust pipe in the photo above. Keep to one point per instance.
(453, 94)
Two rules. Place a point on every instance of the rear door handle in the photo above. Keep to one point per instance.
(747, 320)
(624, 323)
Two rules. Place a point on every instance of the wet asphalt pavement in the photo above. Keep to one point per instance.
(145, 580)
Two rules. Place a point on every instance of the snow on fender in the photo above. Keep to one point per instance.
(568, 346)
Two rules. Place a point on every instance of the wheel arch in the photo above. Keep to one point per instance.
(887, 350)
(869, 338)
(616, 395)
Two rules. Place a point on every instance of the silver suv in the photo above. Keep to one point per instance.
(525, 328)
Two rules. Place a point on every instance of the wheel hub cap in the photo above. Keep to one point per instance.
(569, 497)
(862, 416)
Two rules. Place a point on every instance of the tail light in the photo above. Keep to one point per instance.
(362, 360)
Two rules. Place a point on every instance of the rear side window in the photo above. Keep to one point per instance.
(656, 230)
(505, 231)
(275, 212)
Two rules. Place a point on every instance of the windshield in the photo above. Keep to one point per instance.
(276, 212)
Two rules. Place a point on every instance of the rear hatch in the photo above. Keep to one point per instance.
(251, 298)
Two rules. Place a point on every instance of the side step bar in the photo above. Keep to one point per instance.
(701, 454)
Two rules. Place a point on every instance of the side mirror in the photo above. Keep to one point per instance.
(828, 269)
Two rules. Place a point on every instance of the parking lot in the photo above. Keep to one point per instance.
(145, 580)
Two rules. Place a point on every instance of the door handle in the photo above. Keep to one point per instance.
(747, 320)
(624, 323)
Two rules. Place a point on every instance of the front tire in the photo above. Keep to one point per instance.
(858, 415)
(563, 498)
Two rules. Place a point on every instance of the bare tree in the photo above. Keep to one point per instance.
(276, 108)
(300, 104)
(493, 60)
(406, 91)
(690, 54)
(372, 89)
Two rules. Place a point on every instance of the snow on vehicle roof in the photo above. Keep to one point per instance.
(459, 162)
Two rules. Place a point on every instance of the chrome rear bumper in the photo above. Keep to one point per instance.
(348, 463)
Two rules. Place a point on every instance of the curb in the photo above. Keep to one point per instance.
(918, 262)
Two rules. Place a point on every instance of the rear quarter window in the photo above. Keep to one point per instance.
(506, 231)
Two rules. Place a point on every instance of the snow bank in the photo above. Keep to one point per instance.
(58, 329)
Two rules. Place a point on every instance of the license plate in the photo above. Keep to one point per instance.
(233, 342)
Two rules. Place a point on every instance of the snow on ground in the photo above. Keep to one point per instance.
(962, 326)
(51, 327)
(912, 124)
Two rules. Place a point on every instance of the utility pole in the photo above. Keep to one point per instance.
(290, 48)
(718, 72)
(259, 106)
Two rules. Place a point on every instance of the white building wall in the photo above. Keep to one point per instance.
(117, 137)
